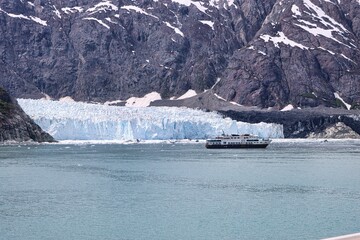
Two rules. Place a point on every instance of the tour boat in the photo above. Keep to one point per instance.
(237, 141)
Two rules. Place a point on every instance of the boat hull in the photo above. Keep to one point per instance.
(217, 146)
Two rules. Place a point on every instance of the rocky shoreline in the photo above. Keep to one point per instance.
(15, 125)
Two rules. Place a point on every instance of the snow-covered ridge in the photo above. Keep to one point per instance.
(83, 121)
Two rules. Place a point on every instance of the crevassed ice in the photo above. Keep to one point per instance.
(83, 121)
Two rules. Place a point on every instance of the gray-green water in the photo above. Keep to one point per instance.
(290, 190)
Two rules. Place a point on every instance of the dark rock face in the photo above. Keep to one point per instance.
(265, 53)
(299, 123)
(304, 53)
(15, 125)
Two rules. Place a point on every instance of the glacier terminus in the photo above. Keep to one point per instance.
(84, 121)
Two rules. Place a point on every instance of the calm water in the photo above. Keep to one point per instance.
(182, 191)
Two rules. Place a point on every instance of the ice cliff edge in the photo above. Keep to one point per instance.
(84, 121)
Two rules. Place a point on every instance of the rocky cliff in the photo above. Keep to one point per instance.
(15, 125)
(253, 52)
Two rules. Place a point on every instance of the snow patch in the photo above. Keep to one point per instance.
(198, 5)
(209, 23)
(103, 6)
(46, 97)
(38, 20)
(331, 52)
(144, 101)
(107, 103)
(349, 59)
(316, 31)
(66, 99)
(323, 17)
(97, 20)
(348, 106)
(110, 21)
(57, 12)
(287, 108)
(217, 81)
(221, 98)
(139, 10)
(282, 39)
(21, 16)
(225, 4)
(330, 25)
(295, 10)
(68, 10)
(16, 15)
(190, 93)
(236, 104)
(178, 31)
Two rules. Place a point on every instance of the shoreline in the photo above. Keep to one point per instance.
(171, 141)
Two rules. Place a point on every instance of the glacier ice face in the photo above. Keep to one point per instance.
(84, 121)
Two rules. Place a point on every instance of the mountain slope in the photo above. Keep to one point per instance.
(306, 53)
(257, 53)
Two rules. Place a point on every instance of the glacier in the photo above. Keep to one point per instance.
(66, 120)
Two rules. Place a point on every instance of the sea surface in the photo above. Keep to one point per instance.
(291, 190)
